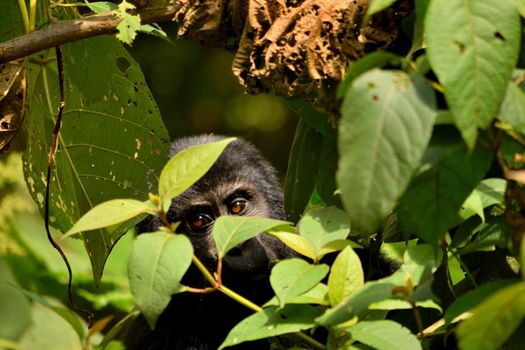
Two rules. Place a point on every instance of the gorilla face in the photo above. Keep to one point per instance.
(241, 182)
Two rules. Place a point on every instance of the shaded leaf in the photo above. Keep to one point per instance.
(386, 124)
(472, 298)
(317, 295)
(494, 319)
(346, 276)
(512, 110)
(186, 167)
(230, 231)
(110, 213)
(448, 176)
(473, 47)
(384, 335)
(272, 322)
(291, 278)
(156, 266)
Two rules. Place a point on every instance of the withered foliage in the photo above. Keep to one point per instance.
(298, 48)
(12, 97)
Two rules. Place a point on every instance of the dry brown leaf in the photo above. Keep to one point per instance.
(12, 98)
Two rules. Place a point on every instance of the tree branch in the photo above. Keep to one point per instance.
(63, 32)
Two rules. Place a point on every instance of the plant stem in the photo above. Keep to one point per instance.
(32, 15)
(23, 12)
(240, 299)
(204, 270)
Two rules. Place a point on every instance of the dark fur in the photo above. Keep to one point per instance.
(202, 321)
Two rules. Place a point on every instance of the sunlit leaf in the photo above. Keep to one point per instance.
(322, 226)
(346, 276)
(188, 166)
(110, 213)
(473, 47)
(291, 278)
(272, 322)
(295, 241)
(386, 124)
(156, 266)
(230, 231)
(384, 335)
(317, 295)
(512, 110)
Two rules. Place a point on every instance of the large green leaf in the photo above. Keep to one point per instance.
(230, 231)
(473, 46)
(448, 175)
(291, 278)
(156, 266)
(272, 322)
(384, 335)
(512, 109)
(494, 320)
(186, 167)
(10, 20)
(386, 123)
(112, 143)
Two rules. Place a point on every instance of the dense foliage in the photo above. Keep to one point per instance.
(424, 169)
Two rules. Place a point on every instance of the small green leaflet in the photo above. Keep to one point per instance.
(156, 266)
(230, 231)
(127, 29)
(110, 213)
(291, 278)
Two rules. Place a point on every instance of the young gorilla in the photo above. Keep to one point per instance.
(241, 182)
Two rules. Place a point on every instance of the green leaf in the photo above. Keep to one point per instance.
(230, 231)
(156, 266)
(10, 20)
(378, 5)
(295, 241)
(494, 319)
(321, 226)
(372, 60)
(188, 166)
(49, 331)
(303, 169)
(101, 6)
(317, 295)
(127, 29)
(110, 213)
(471, 206)
(291, 278)
(472, 298)
(512, 110)
(520, 5)
(112, 142)
(272, 322)
(473, 46)
(398, 304)
(384, 335)
(447, 177)
(346, 276)
(522, 258)
(386, 124)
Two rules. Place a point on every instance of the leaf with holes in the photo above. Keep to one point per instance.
(156, 266)
(386, 124)
(112, 142)
(473, 47)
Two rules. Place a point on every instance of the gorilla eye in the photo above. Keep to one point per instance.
(199, 222)
(237, 206)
